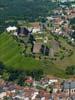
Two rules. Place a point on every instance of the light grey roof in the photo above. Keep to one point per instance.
(73, 97)
(68, 85)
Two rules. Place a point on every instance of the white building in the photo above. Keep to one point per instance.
(11, 29)
(3, 94)
(36, 30)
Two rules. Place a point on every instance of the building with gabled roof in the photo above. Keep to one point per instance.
(68, 88)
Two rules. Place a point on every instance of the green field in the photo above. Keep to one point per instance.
(10, 55)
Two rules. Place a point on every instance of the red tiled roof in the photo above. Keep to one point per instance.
(29, 81)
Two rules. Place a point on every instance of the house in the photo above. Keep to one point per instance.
(11, 29)
(58, 21)
(72, 5)
(58, 31)
(54, 48)
(68, 88)
(51, 52)
(3, 94)
(29, 80)
(36, 28)
(34, 95)
(55, 45)
(37, 48)
(66, 1)
(22, 31)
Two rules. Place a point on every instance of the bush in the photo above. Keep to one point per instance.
(70, 70)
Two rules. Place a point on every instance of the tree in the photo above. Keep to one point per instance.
(7, 98)
(44, 50)
(37, 74)
(31, 39)
(5, 75)
(73, 35)
(70, 70)
(21, 78)
(14, 75)
(72, 21)
(2, 66)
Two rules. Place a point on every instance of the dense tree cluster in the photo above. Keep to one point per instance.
(30, 10)
(19, 76)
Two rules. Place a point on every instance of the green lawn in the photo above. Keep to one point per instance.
(68, 60)
(10, 55)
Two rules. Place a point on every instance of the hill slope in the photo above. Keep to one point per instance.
(10, 55)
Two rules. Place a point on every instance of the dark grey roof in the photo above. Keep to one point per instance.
(1, 90)
(67, 85)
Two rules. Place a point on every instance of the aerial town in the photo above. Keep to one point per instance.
(44, 40)
(48, 88)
